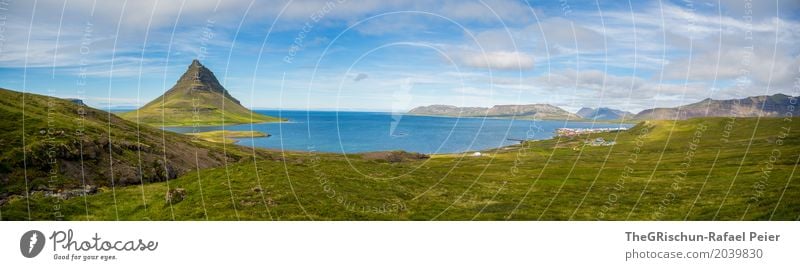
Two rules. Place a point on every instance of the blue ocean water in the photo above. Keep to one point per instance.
(352, 132)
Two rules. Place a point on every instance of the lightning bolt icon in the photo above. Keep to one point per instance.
(32, 242)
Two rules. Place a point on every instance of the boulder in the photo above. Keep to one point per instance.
(175, 195)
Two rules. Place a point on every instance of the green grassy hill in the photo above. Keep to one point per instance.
(197, 99)
(698, 169)
(227, 136)
(65, 145)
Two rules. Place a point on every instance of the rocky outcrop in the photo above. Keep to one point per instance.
(175, 195)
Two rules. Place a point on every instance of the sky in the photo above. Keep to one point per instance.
(394, 55)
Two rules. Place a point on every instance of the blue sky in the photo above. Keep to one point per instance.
(393, 55)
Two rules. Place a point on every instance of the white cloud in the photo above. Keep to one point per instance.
(560, 32)
(653, 39)
(499, 60)
(156, 20)
(759, 9)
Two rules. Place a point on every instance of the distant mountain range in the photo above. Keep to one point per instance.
(537, 111)
(196, 99)
(603, 114)
(764, 106)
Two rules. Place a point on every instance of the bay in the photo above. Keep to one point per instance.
(354, 132)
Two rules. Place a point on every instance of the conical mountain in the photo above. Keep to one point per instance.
(196, 99)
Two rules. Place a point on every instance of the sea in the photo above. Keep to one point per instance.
(355, 132)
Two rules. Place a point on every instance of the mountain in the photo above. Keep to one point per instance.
(538, 111)
(763, 106)
(64, 144)
(603, 114)
(196, 99)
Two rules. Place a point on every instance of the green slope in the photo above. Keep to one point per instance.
(711, 168)
(64, 145)
(197, 99)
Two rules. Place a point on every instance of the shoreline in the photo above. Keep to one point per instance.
(465, 152)
(529, 119)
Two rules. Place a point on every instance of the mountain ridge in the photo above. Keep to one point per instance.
(603, 113)
(753, 106)
(537, 111)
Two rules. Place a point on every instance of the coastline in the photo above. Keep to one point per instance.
(497, 143)
(532, 119)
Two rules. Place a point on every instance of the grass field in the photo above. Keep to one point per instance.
(698, 169)
(227, 136)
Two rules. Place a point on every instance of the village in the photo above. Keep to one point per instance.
(599, 141)
(571, 132)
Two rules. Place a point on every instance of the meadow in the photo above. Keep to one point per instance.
(697, 169)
